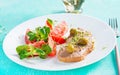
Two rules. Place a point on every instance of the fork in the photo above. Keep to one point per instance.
(113, 23)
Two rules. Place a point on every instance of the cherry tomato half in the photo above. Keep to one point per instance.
(58, 40)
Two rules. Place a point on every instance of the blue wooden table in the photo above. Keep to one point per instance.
(14, 12)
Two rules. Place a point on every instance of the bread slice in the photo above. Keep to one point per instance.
(79, 53)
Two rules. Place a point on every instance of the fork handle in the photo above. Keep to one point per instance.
(117, 58)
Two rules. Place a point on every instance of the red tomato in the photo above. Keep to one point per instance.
(60, 29)
(58, 40)
(38, 44)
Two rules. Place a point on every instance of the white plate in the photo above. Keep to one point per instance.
(104, 41)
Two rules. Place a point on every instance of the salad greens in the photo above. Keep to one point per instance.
(38, 42)
(46, 48)
(25, 51)
(22, 51)
(28, 50)
(39, 34)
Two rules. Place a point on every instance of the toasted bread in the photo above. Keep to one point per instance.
(79, 53)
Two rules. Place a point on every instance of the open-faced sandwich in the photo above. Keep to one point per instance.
(77, 46)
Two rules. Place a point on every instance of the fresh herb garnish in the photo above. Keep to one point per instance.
(39, 34)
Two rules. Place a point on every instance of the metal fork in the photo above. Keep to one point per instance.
(113, 23)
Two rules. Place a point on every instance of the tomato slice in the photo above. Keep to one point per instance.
(60, 29)
(58, 40)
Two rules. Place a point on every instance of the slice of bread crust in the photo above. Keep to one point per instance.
(72, 58)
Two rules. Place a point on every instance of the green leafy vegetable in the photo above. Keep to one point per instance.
(25, 51)
(32, 35)
(46, 48)
(22, 51)
(21, 47)
(41, 53)
(23, 54)
(39, 34)
(44, 32)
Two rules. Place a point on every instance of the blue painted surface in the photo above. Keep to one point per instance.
(14, 12)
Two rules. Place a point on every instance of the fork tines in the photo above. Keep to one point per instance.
(113, 23)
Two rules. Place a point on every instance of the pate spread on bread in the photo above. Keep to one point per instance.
(78, 45)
